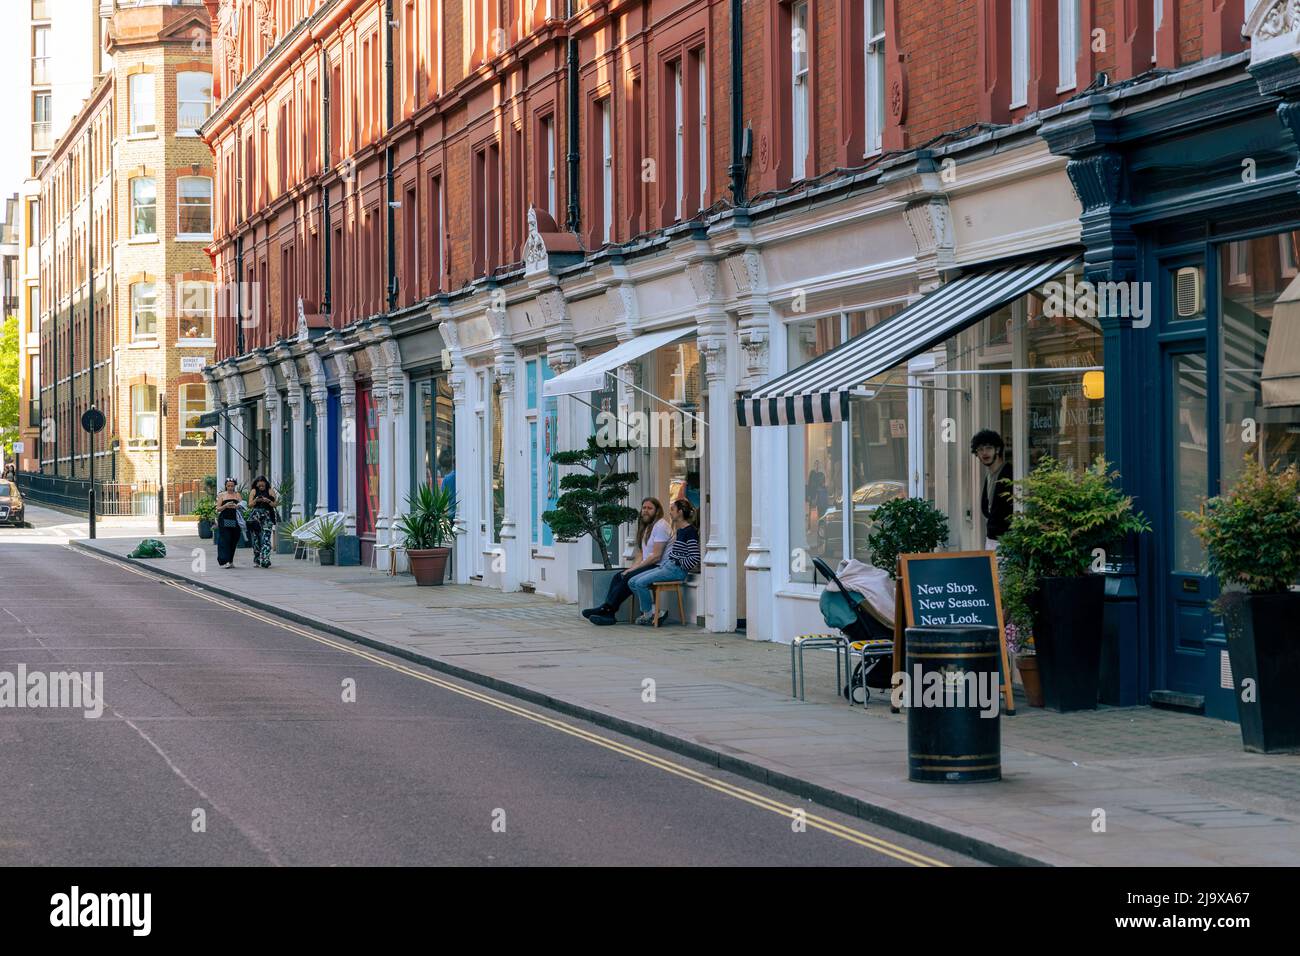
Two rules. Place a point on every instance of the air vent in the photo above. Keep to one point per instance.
(1187, 292)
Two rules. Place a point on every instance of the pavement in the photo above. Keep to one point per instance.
(1116, 786)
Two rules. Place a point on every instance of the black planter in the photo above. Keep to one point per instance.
(205, 528)
(1068, 617)
(1263, 646)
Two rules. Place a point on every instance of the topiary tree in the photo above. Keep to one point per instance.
(905, 526)
(593, 498)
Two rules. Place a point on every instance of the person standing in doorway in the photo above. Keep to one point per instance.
(228, 504)
(652, 535)
(262, 499)
(996, 494)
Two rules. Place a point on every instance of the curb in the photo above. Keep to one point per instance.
(982, 850)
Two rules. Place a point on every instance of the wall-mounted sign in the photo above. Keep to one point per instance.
(192, 363)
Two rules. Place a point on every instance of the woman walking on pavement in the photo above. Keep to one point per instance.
(228, 504)
(681, 557)
(262, 499)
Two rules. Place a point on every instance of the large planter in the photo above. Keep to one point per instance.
(593, 584)
(1068, 617)
(428, 565)
(1264, 647)
(1030, 679)
(205, 528)
(326, 555)
(284, 543)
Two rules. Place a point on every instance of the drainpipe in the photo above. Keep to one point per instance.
(388, 156)
(325, 302)
(737, 103)
(575, 218)
(54, 322)
(239, 295)
(90, 314)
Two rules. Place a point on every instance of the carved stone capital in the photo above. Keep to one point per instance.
(1098, 180)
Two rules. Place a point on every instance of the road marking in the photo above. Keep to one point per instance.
(884, 847)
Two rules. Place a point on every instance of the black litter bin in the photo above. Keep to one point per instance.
(953, 733)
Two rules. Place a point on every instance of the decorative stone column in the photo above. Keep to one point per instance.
(719, 565)
(515, 478)
(346, 368)
(453, 363)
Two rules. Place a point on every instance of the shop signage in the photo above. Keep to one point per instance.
(956, 588)
(192, 363)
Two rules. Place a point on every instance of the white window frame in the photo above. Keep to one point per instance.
(183, 203)
(1067, 45)
(799, 95)
(548, 134)
(702, 68)
(182, 129)
(139, 205)
(1157, 21)
(606, 170)
(874, 60)
(136, 310)
(679, 147)
(186, 414)
(141, 413)
(1019, 53)
(185, 311)
(140, 88)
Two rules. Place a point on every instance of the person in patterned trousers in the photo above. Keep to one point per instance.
(262, 500)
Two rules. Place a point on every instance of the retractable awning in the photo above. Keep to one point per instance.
(590, 375)
(819, 391)
(1280, 378)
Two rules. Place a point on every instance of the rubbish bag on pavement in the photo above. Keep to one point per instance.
(149, 548)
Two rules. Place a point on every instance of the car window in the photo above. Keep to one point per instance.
(4, 489)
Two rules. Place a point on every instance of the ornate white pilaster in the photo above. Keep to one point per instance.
(349, 436)
(296, 419)
(516, 480)
(463, 425)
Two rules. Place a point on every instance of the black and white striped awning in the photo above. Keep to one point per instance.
(819, 391)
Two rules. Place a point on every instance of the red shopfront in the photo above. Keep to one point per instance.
(367, 470)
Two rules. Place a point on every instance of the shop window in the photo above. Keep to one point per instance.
(672, 429)
(195, 305)
(144, 312)
(498, 464)
(194, 207)
(435, 453)
(194, 403)
(543, 418)
(1259, 362)
(193, 100)
(140, 91)
(144, 207)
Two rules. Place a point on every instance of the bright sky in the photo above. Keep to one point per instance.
(13, 94)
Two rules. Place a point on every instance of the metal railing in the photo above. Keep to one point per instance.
(112, 498)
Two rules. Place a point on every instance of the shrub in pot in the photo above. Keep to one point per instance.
(284, 543)
(1046, 556)
(592, 499)
(905, 526)
(428, 528)
(1252, 544)
(327, 536)
(205, 509)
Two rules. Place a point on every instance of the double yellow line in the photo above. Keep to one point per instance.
(866, 840)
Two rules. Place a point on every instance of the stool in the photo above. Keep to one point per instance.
(836, 642)
(659, 586)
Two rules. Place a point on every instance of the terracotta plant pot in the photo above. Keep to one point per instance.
(1027, 664)
(429, 566)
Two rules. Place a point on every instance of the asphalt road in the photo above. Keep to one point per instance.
(240, 723)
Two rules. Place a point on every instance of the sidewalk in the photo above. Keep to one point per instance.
(1176, 789)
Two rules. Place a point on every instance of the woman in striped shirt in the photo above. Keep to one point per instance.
(681, 557)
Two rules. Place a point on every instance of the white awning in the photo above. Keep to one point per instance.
(590, 375)
(1280, 378)
(819, 390)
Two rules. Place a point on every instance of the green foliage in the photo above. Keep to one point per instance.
(1252, 534)
(285, 491)
(1066, 516)
(328, 533)
(210, 485)
(287, 528)
(205, 508)
(905, 526)
(593, 498)
(430, 519)
(9, 396)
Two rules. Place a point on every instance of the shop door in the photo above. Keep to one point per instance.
(1188, 591)
(311, 426)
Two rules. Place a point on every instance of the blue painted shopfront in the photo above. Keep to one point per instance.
(1189, 189)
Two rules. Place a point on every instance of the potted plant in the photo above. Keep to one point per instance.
(905, 526)
(327, 536)
(1252, 544)
(591, 500)
(205, 509)
(284, 543)
(1047, 554)
(428, 528)
(1015, 587)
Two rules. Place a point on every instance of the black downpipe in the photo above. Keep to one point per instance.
(326, 286)
(388, 158)
(239, 295)
(575, 215)
(54, 327)
(737, 103)
(90, 324)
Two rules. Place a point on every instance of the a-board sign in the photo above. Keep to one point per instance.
(956, 588)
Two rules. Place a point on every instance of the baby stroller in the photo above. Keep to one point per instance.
(867, 638)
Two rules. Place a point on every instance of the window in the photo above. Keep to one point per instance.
(548, 147)
(42, 137)
(194, 206)
(41, 56)
(144, 207)
(702, 77)
(875, 74)
(194, 311)
(144, 414)
(144, 312)
(140, 89)
(543, 420)
(1019, 52)
(193, 100)
(1067, 39)
(194, 403)
(679, 124)
(799, 98)
(606, 172)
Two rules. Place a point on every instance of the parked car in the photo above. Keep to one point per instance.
(866, 499)
(11, 504)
